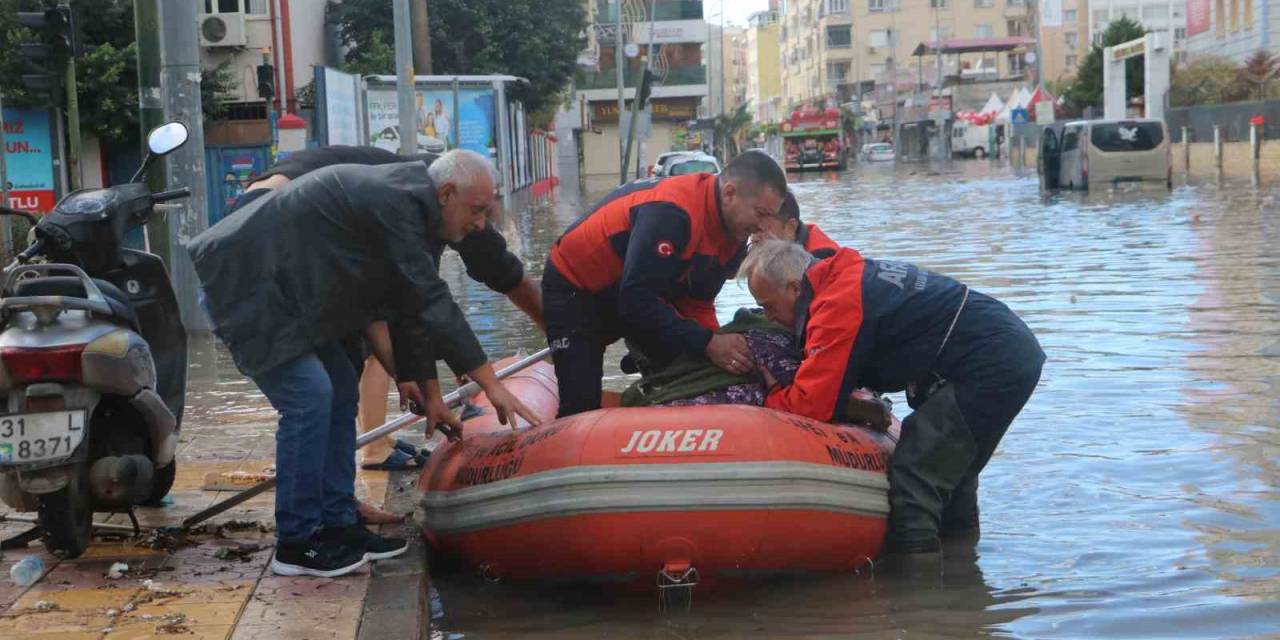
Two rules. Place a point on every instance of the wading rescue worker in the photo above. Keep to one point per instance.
(788, 226)
(967, 362)
(291, 273)
(646, 264)
(487, 260)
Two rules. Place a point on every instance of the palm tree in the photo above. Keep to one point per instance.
(730, 126)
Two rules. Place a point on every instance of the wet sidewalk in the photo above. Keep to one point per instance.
(216, 583)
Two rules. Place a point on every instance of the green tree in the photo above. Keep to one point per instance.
(534, 39)
(1206, 79)
(1254, 76)
(1086, 91)
(106, 72)
(730, 127)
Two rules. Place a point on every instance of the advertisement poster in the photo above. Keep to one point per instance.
(240, 167)
(1198, 18)
(28, 154)
(342, 122)
(436, 120)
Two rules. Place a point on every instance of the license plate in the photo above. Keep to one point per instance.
(34, 437)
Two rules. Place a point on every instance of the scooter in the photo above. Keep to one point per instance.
(93, 361)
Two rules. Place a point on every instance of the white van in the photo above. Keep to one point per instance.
(1094, 152)
(970, 140)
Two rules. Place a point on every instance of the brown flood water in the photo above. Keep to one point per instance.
(1138, 494)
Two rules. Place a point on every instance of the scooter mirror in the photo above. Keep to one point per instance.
(166, 138)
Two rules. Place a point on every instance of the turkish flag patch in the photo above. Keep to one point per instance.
(666, 249)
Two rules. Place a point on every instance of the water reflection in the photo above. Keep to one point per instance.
(935, 599)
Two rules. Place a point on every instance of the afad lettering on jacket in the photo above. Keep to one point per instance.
(677, 441)
(895, 273)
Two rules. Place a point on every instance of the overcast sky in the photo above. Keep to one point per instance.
(735, 11)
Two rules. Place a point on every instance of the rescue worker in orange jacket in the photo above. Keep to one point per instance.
(646, 264)
(967, 362)
(788, 226)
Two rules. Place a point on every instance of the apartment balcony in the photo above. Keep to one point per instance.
(607, 11)
(681, 81)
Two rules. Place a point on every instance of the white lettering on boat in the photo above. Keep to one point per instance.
(673, 441)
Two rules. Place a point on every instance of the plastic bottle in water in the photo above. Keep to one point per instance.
(26, 571)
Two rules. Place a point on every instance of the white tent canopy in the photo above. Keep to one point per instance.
(994, 105)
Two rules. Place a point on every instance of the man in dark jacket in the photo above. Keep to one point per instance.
(485, 256)
(967, 362)
(292, 272)
(788, 226)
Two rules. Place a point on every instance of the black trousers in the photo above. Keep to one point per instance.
(946, 443)
(579, 328)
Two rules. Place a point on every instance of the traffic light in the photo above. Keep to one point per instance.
(266, 82)
(57, 42)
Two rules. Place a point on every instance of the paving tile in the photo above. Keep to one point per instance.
(19, 622)
(139, 630)
(77, 599)
(197, 613)
(314, 589)
(295, 630)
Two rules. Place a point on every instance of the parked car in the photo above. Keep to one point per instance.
(683, 166)
(877, 152)
(1085, 153)
(663, 159)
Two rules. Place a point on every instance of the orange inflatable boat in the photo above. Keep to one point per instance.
(680, 493)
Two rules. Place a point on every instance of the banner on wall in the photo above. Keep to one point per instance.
(28, 154)
(439, 128)
(1198, 17)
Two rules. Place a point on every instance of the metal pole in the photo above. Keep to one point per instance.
(272, 117)
(453, 124)
(617, 64)
(631, 129)
(146, 21)
(73, 125)
(180, 88)
(422, 39)
(6, 236)
(405, 78)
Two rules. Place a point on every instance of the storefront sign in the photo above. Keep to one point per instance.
(1198, 16)
(676, 109)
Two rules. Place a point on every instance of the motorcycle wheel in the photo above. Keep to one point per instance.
(66, 515)
(161, 483)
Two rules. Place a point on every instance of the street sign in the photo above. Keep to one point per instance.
(1019, 116)
(632, 49)
(1044, 112)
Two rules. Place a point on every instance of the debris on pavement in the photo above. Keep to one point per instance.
(117, 571)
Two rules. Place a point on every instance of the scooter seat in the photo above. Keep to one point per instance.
(71, 286)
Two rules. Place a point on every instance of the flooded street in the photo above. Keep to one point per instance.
(1137, 495)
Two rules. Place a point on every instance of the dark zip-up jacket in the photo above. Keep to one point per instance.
(320, 258)
(484, 254)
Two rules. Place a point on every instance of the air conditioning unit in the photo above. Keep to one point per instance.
(222, 30)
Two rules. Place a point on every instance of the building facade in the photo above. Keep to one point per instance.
(816, 44)
(829, 44)
(1065, 46)
(1235, 29)
(736, 52)
(1168, 16)
(764, 78)
(679, 36)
